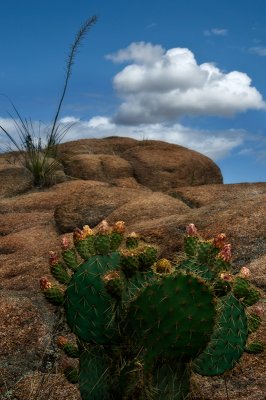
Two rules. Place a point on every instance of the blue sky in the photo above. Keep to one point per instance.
(187, 72)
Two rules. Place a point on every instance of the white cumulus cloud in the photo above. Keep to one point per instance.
(160, 85)
(140, 52)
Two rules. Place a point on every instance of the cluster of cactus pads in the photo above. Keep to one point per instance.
(143, 324)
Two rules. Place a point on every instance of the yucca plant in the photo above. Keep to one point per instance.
(36, 154)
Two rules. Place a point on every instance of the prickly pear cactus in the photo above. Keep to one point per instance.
(143, 324)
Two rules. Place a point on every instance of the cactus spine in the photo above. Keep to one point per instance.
(143, 324)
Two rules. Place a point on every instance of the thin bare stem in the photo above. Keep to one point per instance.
(73, 50)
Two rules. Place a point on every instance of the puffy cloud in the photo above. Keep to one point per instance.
(160, 85)
(140, 52)
(175, 69)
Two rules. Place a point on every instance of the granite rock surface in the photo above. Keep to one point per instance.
(157, 189)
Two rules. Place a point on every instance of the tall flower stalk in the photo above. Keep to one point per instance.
(36, 155)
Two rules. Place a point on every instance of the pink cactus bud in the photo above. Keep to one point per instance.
(226, 276)
(53, 258)
(103, 227)
(119, 227)
(219, 241)
(65, 243)
(225, 253)
(244, 272)
(78, 235)
(45, 283)
(259, 310)
(61, 341)
(191, 230)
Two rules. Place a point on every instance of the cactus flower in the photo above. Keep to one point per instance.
(225, 253)
(244, 272)
(133, 235)
(191, 230)
(87, 231)
(163, 266)
(78, 235)
(45, 283)
(61, 341)
(219, 241)
(53, 258)
(226, 276)
(119, 227)
(104, 227)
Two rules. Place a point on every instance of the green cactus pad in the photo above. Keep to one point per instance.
(115, 288)
(102, 244)
(171, 381)
(254, 322)
(134, 383)
(90, 309)
(173, 317)
(70, 258)
(203, 252)
(60, 273)
(132, 242)
(244, 291)
(254, 348)
(206, 252)
(71, 374)
(228, 340)
(219, 265)
(221, 287)
(94, 381)
(55, 296)
(147, 258)
(129, 263)
(71, 350)
(85, 247)
(191, 265)
(191, 245)
(136, 283)
(116, 239)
